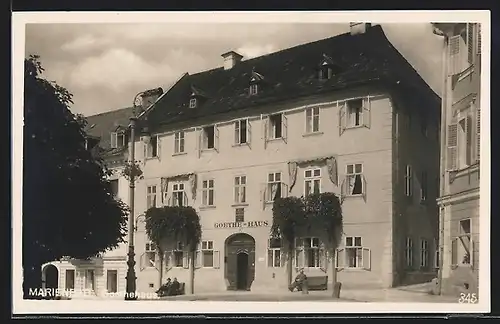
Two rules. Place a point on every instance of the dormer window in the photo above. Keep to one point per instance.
(254, 88)
(192, 103)
(118, 139)
(327, 67)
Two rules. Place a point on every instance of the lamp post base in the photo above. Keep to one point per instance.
(130, 293)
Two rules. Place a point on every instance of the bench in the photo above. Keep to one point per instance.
(182, 288)
(317, 283)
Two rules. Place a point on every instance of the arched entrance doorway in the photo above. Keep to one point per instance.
(50, 277)
(239, 261)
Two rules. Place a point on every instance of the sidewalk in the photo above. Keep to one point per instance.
(346, 295)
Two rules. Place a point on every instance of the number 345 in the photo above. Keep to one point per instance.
(467, 298)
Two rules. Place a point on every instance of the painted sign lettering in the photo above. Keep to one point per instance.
(249, 224)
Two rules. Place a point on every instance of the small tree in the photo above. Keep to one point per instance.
(288, 216)
(168, 225)
(317, 213)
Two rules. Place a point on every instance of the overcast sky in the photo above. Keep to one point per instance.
(106, 65)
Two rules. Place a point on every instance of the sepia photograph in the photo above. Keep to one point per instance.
(196, 162)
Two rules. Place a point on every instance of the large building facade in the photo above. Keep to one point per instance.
(460, 166)
(347, 115)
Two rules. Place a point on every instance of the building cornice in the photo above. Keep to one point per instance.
(459, 197)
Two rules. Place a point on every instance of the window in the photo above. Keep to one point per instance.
(179, 255)
(354, 252)
(424, 253)
(462, 246)
(309, 253)
(355, 180)
(253, 89)
(274, 253)
(118, 140)
(240, 183)
(70, 279)
(208, 137)
(112, 281)
(312, 120)
(325, 73)
(240, 131)
(207, 250)
(114, 187)
(179, 142)
(151, 197)
(90, 280)
(408, 181)
(409, 253)
(276, 129)
(461, 150)
(192, 103)
(312, 182)
(423, 186)
(152, 148)
(208, 193)
(179, 195)
(150, 255)
(273, 186)
(355, 112)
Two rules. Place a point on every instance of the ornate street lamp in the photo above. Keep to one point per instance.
(131, 278)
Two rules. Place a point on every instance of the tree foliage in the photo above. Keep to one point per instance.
(318, 214)
(68, 205)
(168, 225)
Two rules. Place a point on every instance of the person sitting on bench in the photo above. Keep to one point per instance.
(165, 288)
(174, 288)
(299, 281)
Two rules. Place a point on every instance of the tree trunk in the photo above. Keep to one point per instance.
(32, 281)
(161, 256)
(191, 270)
(289, 268)
(335, 283)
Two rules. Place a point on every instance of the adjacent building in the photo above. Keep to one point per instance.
(460, 163)
(346, 114)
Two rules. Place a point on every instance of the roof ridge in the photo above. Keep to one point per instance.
(109, 112)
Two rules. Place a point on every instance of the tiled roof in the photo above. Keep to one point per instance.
(101, 126)
(288, 74)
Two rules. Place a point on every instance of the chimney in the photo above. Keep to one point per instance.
(150, 96)
(359, 28)
(231, 59)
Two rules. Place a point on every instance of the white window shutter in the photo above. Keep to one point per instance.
(284, 128)
(216, 138)
(114, 140)
(168, 260)
(300, 259)
(216, 259)
(199, 141)
(237, 139)
(478, 39)
(478, 132)
(452, 153)
(364, 189)
(454, 55)
(198, 259)
(342, 118)
(185, 260)
(265, 130)
(158, 146)
(454, 252)
(470, 43)
(249, 132)
(367, 255)
(323, 259)
(471, 252)
(366, 112)
(142, 261)
(145, 150)
(343, 189)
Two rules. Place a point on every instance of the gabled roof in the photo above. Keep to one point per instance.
(291, 73)
(102, 125)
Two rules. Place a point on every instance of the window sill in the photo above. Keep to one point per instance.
(179, 153)
(312, 134)
(465, 73)
(206, 207)
(464, 170)
(354, 196)
(352, 269)
(208, 150)
(151, 158)
(240, 205)
(270, 202)
(269, 140)
(240, 144)
(355, 127)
